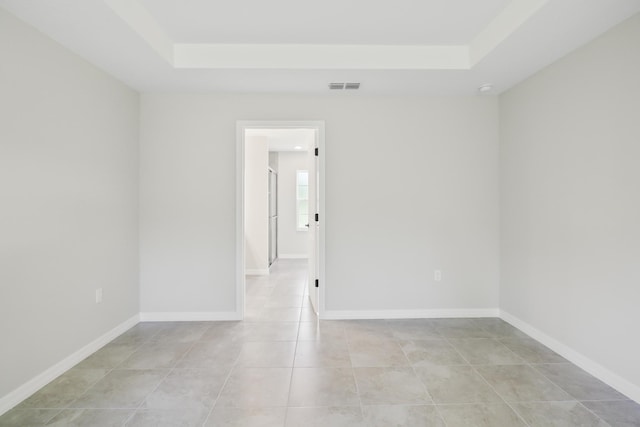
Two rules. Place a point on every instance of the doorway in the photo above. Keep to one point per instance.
(280, 216)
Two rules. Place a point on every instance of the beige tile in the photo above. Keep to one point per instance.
(322, 354)
(209, 354)
(109, 356)
(223, 416)
(557, 414)
(480, 415)
(393, 386)
(532, 351)
(323, 387)
(256, 387)
(271, 331)
(485, 351)
(18, 417)
(65, 389)
(376, 353)
(156, 355)
(280, 314)
(433, 352)
(456, 384)
(265, 354)
(121, 389)
(413, 329)
(91, 417)
(619, 413)
(284, 301)
(402, 415)
(372, 330)
(578, 383)
(498, 328)
(192, 389)
(521, 383)
(181, 332)
(168, 418)
(460, 328)
(350, 416)
(322, 330)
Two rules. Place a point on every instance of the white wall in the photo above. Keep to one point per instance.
(291, 242)
(570, 191)
(256, 205)
(411, 185)
(68, 203)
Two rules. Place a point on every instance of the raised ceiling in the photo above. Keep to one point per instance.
(298, 46)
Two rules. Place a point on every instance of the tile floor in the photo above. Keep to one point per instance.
(280, 367)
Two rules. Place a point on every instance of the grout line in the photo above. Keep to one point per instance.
(426, 388)
(353, 373)
(473, 368)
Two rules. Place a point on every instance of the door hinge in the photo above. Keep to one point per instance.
(317, 217)
(317, 283)
(316, 151)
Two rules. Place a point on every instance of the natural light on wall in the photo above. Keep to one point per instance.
(302, 200)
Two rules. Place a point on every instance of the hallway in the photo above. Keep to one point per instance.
(280, 367)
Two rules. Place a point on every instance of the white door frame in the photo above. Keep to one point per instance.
(241, 126)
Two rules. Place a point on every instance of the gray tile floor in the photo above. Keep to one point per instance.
(280, 367)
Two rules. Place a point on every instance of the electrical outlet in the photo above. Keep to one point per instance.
(437, 275)
(98, 295)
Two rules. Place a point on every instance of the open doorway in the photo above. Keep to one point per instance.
(279, 207)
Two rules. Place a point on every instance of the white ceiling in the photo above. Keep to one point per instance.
(324, 22)
(299, 46)
(285, 139)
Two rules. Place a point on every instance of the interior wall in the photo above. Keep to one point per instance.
(411, 186)
(68, 204)
(256, 205)
(570, 200)
(291, 242)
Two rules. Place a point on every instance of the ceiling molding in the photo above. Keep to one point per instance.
(318, 57)
(502, 26)
(141, 21)
(324, 57)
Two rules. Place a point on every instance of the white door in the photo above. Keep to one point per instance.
(313, 226)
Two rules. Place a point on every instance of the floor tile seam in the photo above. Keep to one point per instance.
(561, 388)
(353, 373)
(424, 385)
(187, 351)
(533, 366)
(325, 406)
(224, 384)
(86, 390)
(129, 355)
(53, 416)
(78, 395)
(499, 395)
(144, 399)
(295, 353)
(523, 361)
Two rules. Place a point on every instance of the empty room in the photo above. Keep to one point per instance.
(336, 214)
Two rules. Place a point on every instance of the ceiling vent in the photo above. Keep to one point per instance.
(345, 86)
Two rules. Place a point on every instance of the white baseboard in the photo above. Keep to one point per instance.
(293, 256)
(409, 314)
(189, 316)
(603, 374)
(256, 271)
(36, 383)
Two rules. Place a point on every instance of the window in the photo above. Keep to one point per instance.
(302, 200)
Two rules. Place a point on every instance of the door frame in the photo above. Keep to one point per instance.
(241, 127)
